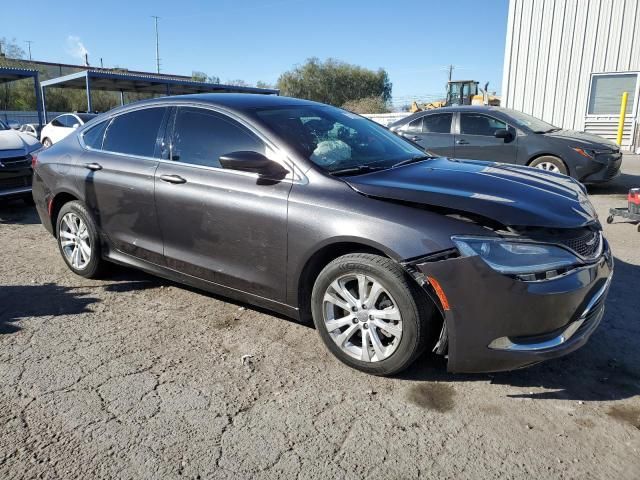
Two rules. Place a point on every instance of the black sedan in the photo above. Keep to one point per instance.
(313, 211)
(15, 163)
(504, 135)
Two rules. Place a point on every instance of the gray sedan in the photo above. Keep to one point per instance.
(510, 136)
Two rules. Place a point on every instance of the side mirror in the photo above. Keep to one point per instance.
(76, 125)
(253, 162)
(502, 133)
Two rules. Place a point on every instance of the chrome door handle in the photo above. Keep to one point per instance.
(172, 179)
(93, 166)
(462, 142)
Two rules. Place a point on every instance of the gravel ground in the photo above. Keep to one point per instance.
(137, 377)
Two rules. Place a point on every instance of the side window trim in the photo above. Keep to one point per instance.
(159, 135)
(295, 174)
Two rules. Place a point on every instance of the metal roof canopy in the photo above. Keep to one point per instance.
(123, 82)
(10, 74)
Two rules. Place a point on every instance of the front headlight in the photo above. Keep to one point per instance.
(585, 152)
(528, 261)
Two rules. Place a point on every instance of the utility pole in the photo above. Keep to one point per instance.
(29, 42)
(156, 18)
(450, 71)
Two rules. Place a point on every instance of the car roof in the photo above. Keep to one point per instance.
(452, 109)
(241, 102)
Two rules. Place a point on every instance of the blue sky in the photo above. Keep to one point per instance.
(252, 40)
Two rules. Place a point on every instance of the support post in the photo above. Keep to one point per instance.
(36, 87)
(43, 97)
(121, 97)
(88, 84)
(623, 113)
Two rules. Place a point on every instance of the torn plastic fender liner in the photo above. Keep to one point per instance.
(485, 305)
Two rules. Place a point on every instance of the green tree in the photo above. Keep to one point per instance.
(367, 105)
(198, 76)
(334, 82)
(261, 84)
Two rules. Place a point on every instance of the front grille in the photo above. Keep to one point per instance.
(16, 162)
(586, 245)
(15, 182)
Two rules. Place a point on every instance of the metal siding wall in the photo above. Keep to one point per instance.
(553, 46)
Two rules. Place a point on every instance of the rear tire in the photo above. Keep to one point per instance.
(397, 325)
(550, 164)
(78, 240)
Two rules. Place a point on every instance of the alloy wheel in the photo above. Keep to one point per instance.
(548, 166)
(75, 241)
(362, 317)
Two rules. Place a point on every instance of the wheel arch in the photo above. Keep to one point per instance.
(319, 259)
(57, 202)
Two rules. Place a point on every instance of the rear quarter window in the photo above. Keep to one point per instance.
(134, 133)
(94, 137)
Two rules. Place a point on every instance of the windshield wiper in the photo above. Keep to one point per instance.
(356, 169)
(417, 158)
(551, 130)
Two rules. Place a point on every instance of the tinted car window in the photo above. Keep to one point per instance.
(134, 133)
(440, 123)
(414, 126)
(476, 124)
(58, 121)
(68, 120)
(202, 136)
(94, 136)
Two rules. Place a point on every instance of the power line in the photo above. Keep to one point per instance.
(156, 18)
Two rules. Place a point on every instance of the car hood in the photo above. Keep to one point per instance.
(584, 140)
(15, 144)
(509, 194)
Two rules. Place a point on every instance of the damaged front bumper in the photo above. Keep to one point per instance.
(494, 322)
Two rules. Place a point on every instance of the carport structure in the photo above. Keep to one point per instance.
(11, 74)
(89, 80)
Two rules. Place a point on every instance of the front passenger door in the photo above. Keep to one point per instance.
(224, 226)
(476, 139)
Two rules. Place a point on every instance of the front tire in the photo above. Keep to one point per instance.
(46, 142)
(550, 164)
(78, 240)
(371, 315)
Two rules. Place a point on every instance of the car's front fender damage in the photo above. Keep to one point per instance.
(480, 305)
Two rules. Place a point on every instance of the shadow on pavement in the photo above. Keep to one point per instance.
(606, 368)
(18, 213)
(25, 301)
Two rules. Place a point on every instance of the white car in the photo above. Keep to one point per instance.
(63, 125)
(32, 129)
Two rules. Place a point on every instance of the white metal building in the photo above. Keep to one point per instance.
(569, 61)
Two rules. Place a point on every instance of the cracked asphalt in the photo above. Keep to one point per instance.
(137, 377)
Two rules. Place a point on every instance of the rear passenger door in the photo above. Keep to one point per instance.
(119, 166)
(476, 138)
(224, 226)
(432, 132)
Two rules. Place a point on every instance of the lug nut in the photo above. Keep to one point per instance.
(355, 320)
(370, 317)
(365, 326)
(354, 309)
